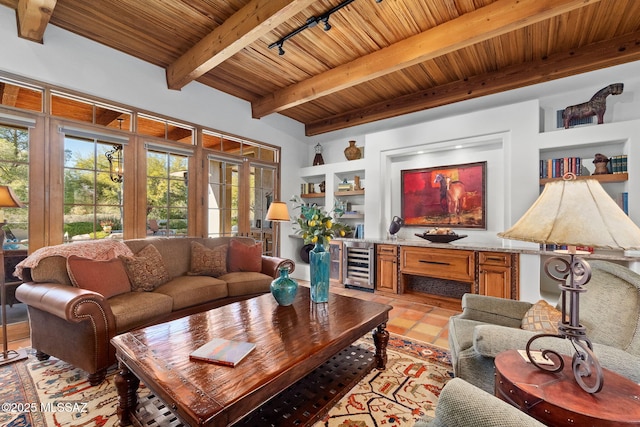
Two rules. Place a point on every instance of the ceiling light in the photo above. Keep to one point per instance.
(310, 23)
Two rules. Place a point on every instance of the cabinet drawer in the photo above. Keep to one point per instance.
(387, 250)
(451, 264)
(495, 258)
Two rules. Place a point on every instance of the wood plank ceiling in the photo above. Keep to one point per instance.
(380, 59)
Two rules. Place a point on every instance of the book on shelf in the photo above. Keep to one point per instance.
(222, 351)
(623, 202)
(345, 187)
(557, 167)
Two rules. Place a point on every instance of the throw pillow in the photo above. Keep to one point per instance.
(107, 278)
(146, 269)
(208, 262)
(542, 317)
(243, 257)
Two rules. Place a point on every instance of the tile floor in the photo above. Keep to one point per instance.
(411, 319)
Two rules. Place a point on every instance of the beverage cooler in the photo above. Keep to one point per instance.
(358, 265)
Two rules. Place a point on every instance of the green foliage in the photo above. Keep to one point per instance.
(76, 228)
(317, 225)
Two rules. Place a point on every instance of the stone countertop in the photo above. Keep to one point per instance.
(498, 245)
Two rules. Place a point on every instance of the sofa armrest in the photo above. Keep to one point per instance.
(461, 404)
(68, 303)
(271, 265)
(494, 310)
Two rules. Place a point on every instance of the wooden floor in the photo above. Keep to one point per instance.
(410, 319)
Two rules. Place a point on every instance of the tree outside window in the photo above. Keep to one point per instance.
(93, 203)
(167, 195)
(14, 172)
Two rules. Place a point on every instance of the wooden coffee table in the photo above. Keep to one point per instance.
(290, 343)
(556, 398)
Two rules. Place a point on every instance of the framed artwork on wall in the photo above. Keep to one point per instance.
(445, 196)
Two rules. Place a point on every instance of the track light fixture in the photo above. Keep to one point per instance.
(312, 22)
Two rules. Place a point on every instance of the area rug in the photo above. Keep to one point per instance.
(54, 394)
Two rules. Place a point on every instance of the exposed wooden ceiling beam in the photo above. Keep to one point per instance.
(33, 18)
(253, 21)
(482, 24)
(588, 58)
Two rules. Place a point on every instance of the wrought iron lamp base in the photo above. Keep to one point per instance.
(572, 275)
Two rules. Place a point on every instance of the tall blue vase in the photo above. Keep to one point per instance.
(284, 288)
(319, 261)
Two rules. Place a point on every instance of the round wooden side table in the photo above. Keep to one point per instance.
(556, 399)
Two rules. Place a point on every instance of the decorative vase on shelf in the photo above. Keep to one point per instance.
(319, 260)
(352, 152)
(284, 288)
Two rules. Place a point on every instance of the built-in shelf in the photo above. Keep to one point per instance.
(611, 177)
(349, 193)
(312, 195)
(352, 216)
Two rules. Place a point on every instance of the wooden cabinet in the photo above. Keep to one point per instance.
(497, 274)
(449, 264)
(387, 268)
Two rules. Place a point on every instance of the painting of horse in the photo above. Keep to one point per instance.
(446, 196)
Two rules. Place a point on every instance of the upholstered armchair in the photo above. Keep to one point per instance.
(464, 405)
(609, 310)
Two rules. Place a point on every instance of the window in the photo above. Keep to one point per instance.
(167, 195)
(14, 172)
(93, 202)
(239, 194)
(223, 197)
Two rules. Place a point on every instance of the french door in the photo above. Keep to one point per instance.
(238, 196)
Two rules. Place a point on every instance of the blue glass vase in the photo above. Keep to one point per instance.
(319, 261)
(284, 288)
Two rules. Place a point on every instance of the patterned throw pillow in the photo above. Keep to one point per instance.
(208, 262)
(108, 278)
(146, 269)
(243, 257)
(542, 317)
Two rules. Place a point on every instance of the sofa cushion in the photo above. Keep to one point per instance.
(208, 262)
(145, 269)
(134, 309)
(542, 317)
(187, 291)
(242, 257)
(247, 283)
(108, 278)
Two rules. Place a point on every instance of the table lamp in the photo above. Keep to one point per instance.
(278, 211)
(7, 200)
(574, 213)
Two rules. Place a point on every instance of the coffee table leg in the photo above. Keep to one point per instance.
(381, 339)
(127, 385)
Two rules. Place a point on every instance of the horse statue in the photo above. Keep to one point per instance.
(596, 106)
(453, 195)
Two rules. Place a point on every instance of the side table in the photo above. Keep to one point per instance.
(556, 399)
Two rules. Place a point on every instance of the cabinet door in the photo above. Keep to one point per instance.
(387, 268)
(495, 281)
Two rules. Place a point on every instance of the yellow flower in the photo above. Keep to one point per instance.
(329, 224)
(314, 239)
(342, 233)
(328, 239)
(312, 223)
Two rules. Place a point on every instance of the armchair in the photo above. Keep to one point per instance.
(463, 405)
(609, 309)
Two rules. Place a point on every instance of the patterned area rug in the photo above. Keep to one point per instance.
(54, 394)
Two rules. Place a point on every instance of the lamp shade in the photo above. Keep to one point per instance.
(8, 199)
(278, 212)
(576, 213)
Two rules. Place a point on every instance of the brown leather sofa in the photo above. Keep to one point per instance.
(76, 325)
